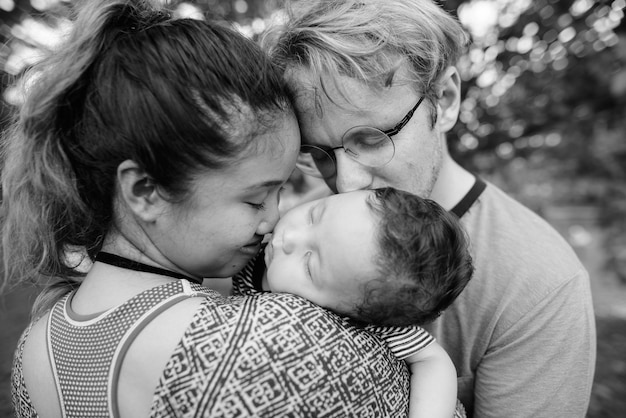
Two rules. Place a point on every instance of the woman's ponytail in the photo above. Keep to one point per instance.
(48, 224)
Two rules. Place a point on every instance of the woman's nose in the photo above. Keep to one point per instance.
(269, 220)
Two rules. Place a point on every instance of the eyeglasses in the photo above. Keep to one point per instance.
(364, 144)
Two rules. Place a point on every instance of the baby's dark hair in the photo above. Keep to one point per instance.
(423, 261)
(130, 82)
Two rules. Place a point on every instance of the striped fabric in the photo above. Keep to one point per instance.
(403, 341)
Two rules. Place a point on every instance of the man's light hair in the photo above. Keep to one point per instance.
(369, 40)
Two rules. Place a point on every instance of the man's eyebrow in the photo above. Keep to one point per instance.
(304, 140)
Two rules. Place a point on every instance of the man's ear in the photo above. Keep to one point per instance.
(449, 98)
(139, 191)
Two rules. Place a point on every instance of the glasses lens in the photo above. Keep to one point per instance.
(369, 146)
(316, 162)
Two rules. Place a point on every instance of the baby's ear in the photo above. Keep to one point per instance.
(139, 192)
(449, 98)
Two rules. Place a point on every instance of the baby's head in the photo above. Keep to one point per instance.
(382, 256)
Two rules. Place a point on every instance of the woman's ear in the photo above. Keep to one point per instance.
(449, 98)
(139, 191)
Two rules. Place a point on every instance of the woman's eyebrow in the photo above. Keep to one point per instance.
(265, 184)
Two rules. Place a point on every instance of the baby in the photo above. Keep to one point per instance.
(382, 257)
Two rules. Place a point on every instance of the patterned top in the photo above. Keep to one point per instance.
(402, 341)
(264, 356)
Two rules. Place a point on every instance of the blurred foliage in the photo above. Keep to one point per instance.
(547, 91)
(544, 91)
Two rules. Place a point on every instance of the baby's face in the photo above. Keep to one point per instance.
(324, 250)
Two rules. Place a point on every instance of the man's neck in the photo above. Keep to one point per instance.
(452, 184)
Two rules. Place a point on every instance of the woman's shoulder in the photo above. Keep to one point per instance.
(268, 313)
(206, 314)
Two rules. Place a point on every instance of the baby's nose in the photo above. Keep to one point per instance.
(291, 238)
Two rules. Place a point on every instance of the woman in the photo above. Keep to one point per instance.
(154, 149)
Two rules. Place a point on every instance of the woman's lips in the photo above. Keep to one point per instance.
(251, 249)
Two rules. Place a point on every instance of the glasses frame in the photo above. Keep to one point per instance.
(390, 132)
(396, 129)
(330, 151)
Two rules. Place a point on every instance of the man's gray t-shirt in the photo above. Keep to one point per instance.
(522, 333)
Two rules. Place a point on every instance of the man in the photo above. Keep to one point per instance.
(376, 91)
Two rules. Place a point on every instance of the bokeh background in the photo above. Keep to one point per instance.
(543, 116)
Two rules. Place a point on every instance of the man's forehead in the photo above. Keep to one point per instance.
(316, 90)
(317, 95)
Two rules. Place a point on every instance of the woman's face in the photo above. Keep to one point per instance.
(219, 228)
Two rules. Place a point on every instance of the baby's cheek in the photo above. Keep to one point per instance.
(272, 279)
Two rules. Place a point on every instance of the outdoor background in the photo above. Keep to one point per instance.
(543, 116)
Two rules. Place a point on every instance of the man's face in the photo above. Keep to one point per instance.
(323, 121)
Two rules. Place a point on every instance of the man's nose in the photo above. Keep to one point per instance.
(351, 175)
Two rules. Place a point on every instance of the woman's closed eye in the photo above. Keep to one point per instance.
(257, 206)
(258, 201)
(262, 205)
